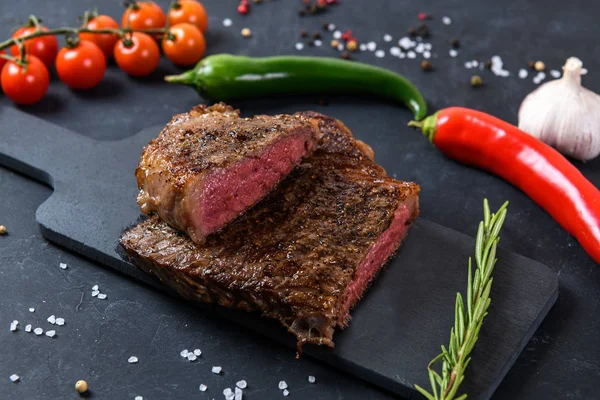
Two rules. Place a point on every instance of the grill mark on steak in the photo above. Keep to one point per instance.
(297, 256)
(208, 166)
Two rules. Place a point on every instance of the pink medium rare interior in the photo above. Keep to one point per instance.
(380, 252)
(228, 193)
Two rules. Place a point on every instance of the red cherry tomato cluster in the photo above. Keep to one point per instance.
(81, 64)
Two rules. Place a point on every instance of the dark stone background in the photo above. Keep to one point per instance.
(561, 361)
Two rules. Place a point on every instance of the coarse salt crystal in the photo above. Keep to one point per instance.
(380, 54)
(286, 392)
(311, 379)
(426, 54)
(331, 27)
(95, 293)
(411, 54)
(50, 333)
(52, 319)
(227, 22)
(299, 46)
(427, 46)
(242, 384)
(184, 353)
(282, 385)
(198, 352)
(238, 394)
(229, 396)
(371, 46)
(395, 51)
(62, 265)
(31, 309)
(468, 65)
(453, 53)
(38, 331)
(420, 48)
(95, 287)
(406, 43)
(555, 74)
(362, 47)
(13, 325)
(28, 328)
(387, 38)
(203, 387)
(216, 370)
(191, 357)
(402, 55)
(60, 321)
(337, 35)
(101, 296)
(14, 378)
(132, 360)
(475, 63)
(539, 78)
(138, 398)
(340, 47)
(446, 20)
(318, 43)
(227, 391)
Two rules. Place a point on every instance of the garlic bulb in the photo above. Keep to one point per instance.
(564, 114)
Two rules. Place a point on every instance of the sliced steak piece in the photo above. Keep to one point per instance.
(209, 166)
(305, 254)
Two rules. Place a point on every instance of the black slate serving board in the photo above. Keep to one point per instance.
(397, 328)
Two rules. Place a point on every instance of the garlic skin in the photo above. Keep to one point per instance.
(564, 114)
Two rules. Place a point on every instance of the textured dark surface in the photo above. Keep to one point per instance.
(559, 362)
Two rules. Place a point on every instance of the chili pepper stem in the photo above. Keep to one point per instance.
(427, 126)
(186, 78)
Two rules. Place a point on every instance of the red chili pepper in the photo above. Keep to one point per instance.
(548, 178)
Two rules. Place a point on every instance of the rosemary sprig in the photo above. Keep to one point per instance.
(467, 322)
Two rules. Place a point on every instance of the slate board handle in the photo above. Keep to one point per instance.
(38, 149)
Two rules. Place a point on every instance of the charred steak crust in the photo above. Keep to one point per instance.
(295, 254)
(195, 155)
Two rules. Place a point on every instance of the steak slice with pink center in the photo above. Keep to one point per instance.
(208, 166)
(305, 254)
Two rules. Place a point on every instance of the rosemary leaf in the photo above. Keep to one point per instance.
(464, 333)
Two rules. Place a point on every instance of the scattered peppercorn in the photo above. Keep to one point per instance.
(476, 81)
(335, 43)
(302, 12)
(345, 55)
(246, 32)
(426, 65)
(488, 64)
(303, 33)
(243, 8)
(423, 16)
(2, 230)
(325, 26)
(539, 66)
(81, 386)
(531, 64)
(352, 45)
(412, 32)
(317, 35)
(455, 43)
(423, 30)
(310, 42)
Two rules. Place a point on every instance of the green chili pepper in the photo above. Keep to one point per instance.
(225, 77)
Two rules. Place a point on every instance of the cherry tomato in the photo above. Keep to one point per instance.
(105, 41)
(43, 47)
(190, 11)
(2, 60)
(138, 56)
(187, 45)
(144, 15)
(81, 67)
(25, 86)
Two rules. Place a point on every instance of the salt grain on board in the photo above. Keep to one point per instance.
(299, 46)
(60, 321)
(198, 352)
(138, 398)
(387, 38)
(426, 55)
(38, 331)
(337, 35)
(52, 319)
(28, 328)
(242, 384)
(191, 357)
(318, 43)
(362, 47)
(227, 391)
(227, 22)
(101, 296)
(238, 394)
(132, 360)
(203, 387)
(371, 46)
(446, 20)
(411, 54)
(453, 53)
(311, 379)
(395, 51)
(340, 47)
(95, 288)
(31, 309)
(50, 333)
(216, 370)
(62, 265)
(555, 74)
(539, 78)
(13, 325)
(282, 385)
(286, 392)
(406, 43)
(184, 353)
(14, 378)
(380, 54)
(95, 293)
(331, 27)
(523, 73)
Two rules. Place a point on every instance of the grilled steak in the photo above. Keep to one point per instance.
(209, 165)
(305, 254)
